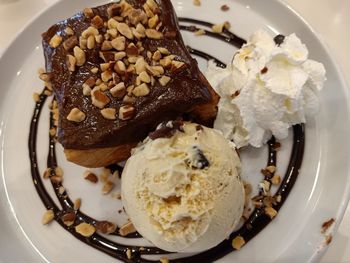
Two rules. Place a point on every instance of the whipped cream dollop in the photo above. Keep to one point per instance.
(266, 89)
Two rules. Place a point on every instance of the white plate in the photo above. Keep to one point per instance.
(320, 193)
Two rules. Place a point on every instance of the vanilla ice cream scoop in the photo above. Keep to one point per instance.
(266, 89)
(181, 188)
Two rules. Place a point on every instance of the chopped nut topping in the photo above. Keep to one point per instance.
(97, 22)
(238, 242)
(118, 91)
(278, 198)
(88, 12)
(109, 113)
(141, 90)
(164, 80)
(55, 41)
(90, 82)
(126, 112)
(79, 54)
(103, 86)
(132, 50)
(86, 90)
(106, 75)
(106, 45)
(69, 31)
(127, 229)
(85, 229)
(90, 176)
(107, 187)
(153, 34)
(165, 62)
(125, 30)
(153, 5)
(61, 190)
(164, 51)
(153, 21)
(70, 42)
(271, 169)
(113, 32)
(71, 61)
(157, 56)
(68, 219)
(90, 42)
(225, 8)
(36, 96)
(99, 39)
(218, 28)
(105, 66)
(270, 211)
(128, 253)
(140, 65)
(148, 10)
(227, 25)
(106, 227)
(197, 2)
(119, 55)
(163, 260)
(94, 70)
(99, 99)
(119, 67)
(177, 64)
(52, 132)
(82, 42)
(144, 77)
(156, 71)
(77, 204)
(265, 186)
(76, 115)
(47, 217)
(276, 179)
(118, 43)
(128, 100)
(56, 179)
(114, 10)
(200, 32)
(90, 31)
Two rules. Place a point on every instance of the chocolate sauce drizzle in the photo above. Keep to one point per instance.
(253, 225)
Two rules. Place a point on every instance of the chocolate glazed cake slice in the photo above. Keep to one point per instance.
(117, 71)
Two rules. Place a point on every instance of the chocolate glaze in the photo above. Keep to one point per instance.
(256, 222)
(187, 88)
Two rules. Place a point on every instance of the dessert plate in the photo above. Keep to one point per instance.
(320, 193)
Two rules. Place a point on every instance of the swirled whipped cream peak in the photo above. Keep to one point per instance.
(181, 188)
(269, 86)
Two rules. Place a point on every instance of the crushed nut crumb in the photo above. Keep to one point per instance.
(77, 204)
(85, 229)
(127, 229)
(107, 187)
(238, 242)
(48, 217)
(76, 115)
(225, 8)
(197, 2)
(90, 176)
(271, 212)
(106, 227)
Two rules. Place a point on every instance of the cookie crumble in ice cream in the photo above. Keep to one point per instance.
(266, 89)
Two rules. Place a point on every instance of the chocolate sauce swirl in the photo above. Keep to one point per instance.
(253, 225)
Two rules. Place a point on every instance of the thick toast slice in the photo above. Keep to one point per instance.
(117, 71)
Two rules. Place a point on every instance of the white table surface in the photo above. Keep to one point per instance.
(330, 18)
